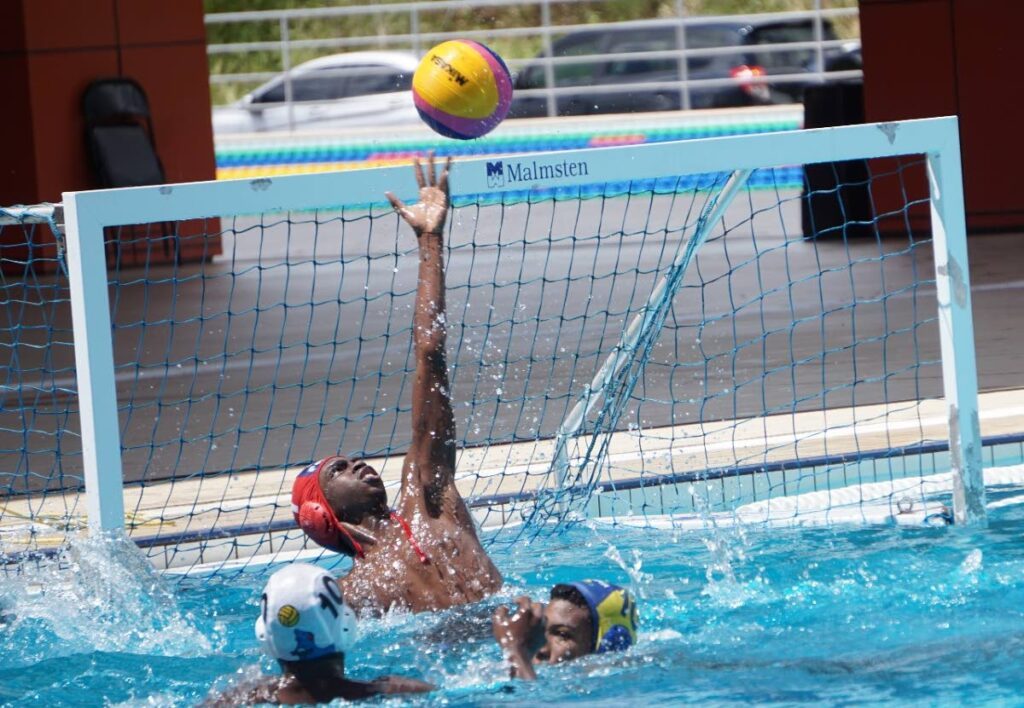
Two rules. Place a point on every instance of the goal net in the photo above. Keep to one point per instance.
(679, 334)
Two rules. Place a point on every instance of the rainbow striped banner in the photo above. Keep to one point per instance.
(273, 154)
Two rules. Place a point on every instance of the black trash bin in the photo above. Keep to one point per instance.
(836, 200)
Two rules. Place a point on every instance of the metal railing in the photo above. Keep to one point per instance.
(416, 40)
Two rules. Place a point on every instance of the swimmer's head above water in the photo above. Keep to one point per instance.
(587, 617)
(303, 615)
(332, 496)
(305, 624)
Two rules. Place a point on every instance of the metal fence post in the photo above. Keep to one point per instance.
(819, 36)
(286, 61)
(549, 69)
(684, 67)
(414, 28)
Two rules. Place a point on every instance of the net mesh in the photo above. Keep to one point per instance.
(795, 351)
(40, 441)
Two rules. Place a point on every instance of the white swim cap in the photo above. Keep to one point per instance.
(303, 615)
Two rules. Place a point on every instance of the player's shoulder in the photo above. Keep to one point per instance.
(262, 690)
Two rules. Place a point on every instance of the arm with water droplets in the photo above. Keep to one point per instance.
(430, 462)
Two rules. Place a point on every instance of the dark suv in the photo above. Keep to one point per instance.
(607, 79)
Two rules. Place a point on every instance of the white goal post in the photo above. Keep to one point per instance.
(86, 214)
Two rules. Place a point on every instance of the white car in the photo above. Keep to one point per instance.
(358, 89)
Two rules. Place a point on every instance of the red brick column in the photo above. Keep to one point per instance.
(49, 52)
(926, 58)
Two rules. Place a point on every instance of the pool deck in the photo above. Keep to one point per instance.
(256, 500)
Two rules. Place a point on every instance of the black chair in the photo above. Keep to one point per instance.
(119, 134)
(836, 199)
(122, 153)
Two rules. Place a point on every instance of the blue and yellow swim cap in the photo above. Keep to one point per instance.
(612, 613)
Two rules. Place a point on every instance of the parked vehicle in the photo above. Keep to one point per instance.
(604, 79)
(338, 91)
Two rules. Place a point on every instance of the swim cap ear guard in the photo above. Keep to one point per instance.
(314, 515)
(613, 614)
(303, 615)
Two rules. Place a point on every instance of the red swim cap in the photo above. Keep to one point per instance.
(314, 515)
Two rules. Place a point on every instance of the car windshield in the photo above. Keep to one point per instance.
(370, 79)
(788, 60)
(577, 73)
(790, 32)
(658, 40)
(666, 39)
(333, 83)
(592, 47)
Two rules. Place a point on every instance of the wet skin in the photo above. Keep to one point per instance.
(353, 488)
(562, 629)
(312, 683)
(391, 573)
(567, 633)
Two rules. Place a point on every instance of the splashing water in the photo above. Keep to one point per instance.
(100, 594)
(638, 579)
(895, 615)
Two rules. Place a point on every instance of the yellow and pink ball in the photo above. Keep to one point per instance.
(462, 89)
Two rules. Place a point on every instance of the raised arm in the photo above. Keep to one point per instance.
(429, 468)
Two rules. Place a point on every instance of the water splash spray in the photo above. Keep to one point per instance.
(99, 594)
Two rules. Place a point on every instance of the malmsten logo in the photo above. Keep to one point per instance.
(502, 173)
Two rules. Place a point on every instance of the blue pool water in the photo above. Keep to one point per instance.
(865, 615)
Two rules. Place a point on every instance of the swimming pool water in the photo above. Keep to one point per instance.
(842, 615)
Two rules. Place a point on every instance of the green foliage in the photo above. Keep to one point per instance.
(376, 29)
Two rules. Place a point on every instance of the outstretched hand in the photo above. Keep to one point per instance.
(429, 214)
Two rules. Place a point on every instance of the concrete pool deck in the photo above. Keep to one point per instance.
(250, 503)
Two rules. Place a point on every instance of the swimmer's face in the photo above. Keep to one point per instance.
(352, 488)
(567, 633)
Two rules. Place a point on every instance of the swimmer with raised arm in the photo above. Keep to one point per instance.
(306, 625)
(588, 617)
(425, 554)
